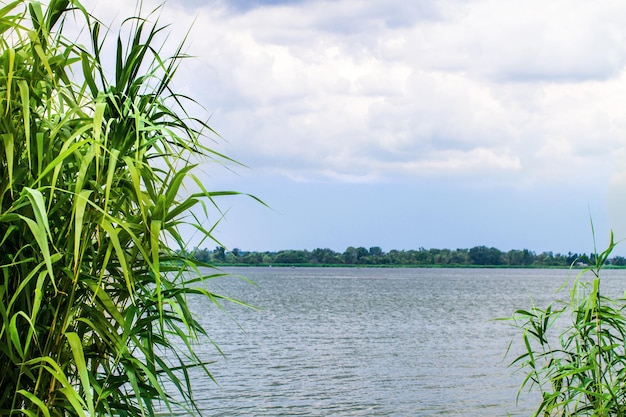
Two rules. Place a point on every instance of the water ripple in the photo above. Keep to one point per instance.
(361, 342)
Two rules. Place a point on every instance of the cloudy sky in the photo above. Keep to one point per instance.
(407, 124)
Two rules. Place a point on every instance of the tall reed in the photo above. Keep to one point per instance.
(93, 169)
(574, 350)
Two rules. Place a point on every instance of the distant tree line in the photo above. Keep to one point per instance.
(476, 256)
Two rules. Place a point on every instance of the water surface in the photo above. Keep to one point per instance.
(371, 342)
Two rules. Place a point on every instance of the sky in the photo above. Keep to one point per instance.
(435, 124)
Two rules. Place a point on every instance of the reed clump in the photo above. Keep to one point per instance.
(94, 158)
(575, 350)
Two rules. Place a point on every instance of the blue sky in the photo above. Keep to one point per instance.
(436, 124)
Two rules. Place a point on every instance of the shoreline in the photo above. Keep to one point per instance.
(429, 266)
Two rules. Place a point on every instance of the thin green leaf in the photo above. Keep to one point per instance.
(81, 365)
(80, 205)
(33, 399)
(7, 140)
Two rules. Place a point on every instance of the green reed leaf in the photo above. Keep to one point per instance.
(33, 399)
(9, 74)
(112, 233)
(81, 364)
(7, 141)
(16, 341)
(24, 96)
(80, 206)
(41, 238)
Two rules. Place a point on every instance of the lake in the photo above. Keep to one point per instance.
(371, 342)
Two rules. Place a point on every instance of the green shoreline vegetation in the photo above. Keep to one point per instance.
(478, 256)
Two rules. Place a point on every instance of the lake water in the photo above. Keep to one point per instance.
(371, 342)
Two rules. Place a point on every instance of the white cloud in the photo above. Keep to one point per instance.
(362, 91)
(530, 41)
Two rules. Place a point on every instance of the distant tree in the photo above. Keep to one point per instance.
(441, 256)
(251, 258)
(460, 257)
(325, 256)
(482, 255)
(572, 258)
(560, 260)
(528, 257)
(546, 259)
(396, 257)
(420, 257)
(202, 255)
(233, 256)
(291, 257)
(520, 257)
(219, 254)
(361, 254)
(350, 255)
(376, 251)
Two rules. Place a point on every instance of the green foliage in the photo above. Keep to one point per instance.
(575, 350)
(93, 283)
(479, 256)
